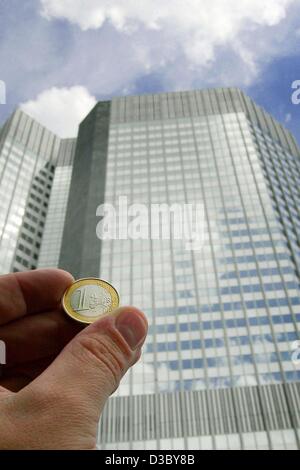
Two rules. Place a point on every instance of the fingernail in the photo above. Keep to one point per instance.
(132, 327)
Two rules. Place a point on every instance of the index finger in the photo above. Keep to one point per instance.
(31, 292)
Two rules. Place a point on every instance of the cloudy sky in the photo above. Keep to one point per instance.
(57, 57)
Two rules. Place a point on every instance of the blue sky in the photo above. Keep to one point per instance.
(57, 57)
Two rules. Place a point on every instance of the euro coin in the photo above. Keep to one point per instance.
(87, 300)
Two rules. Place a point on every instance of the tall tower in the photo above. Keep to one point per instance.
(28, 154)
(31, 158)
(217, 370)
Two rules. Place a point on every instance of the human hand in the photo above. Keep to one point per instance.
(58, 375)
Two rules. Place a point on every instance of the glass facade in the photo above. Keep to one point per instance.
(54, 226)
(33, 165)
(27, 151)
(217, 369)
(222, 318)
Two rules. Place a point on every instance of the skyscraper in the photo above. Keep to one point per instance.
(33, 161)
(217, 370)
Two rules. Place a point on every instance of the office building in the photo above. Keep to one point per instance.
(218, 369)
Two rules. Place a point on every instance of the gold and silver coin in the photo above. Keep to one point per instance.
(88, 299)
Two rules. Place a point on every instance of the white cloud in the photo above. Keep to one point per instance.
(221, 19)
(246, 381)
(61, 109)
(194, 27)
(288, 118)
(153, 376)
(119, 47)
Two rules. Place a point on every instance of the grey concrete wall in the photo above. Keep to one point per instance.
(80, 252)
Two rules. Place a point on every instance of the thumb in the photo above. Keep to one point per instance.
(91, 366)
